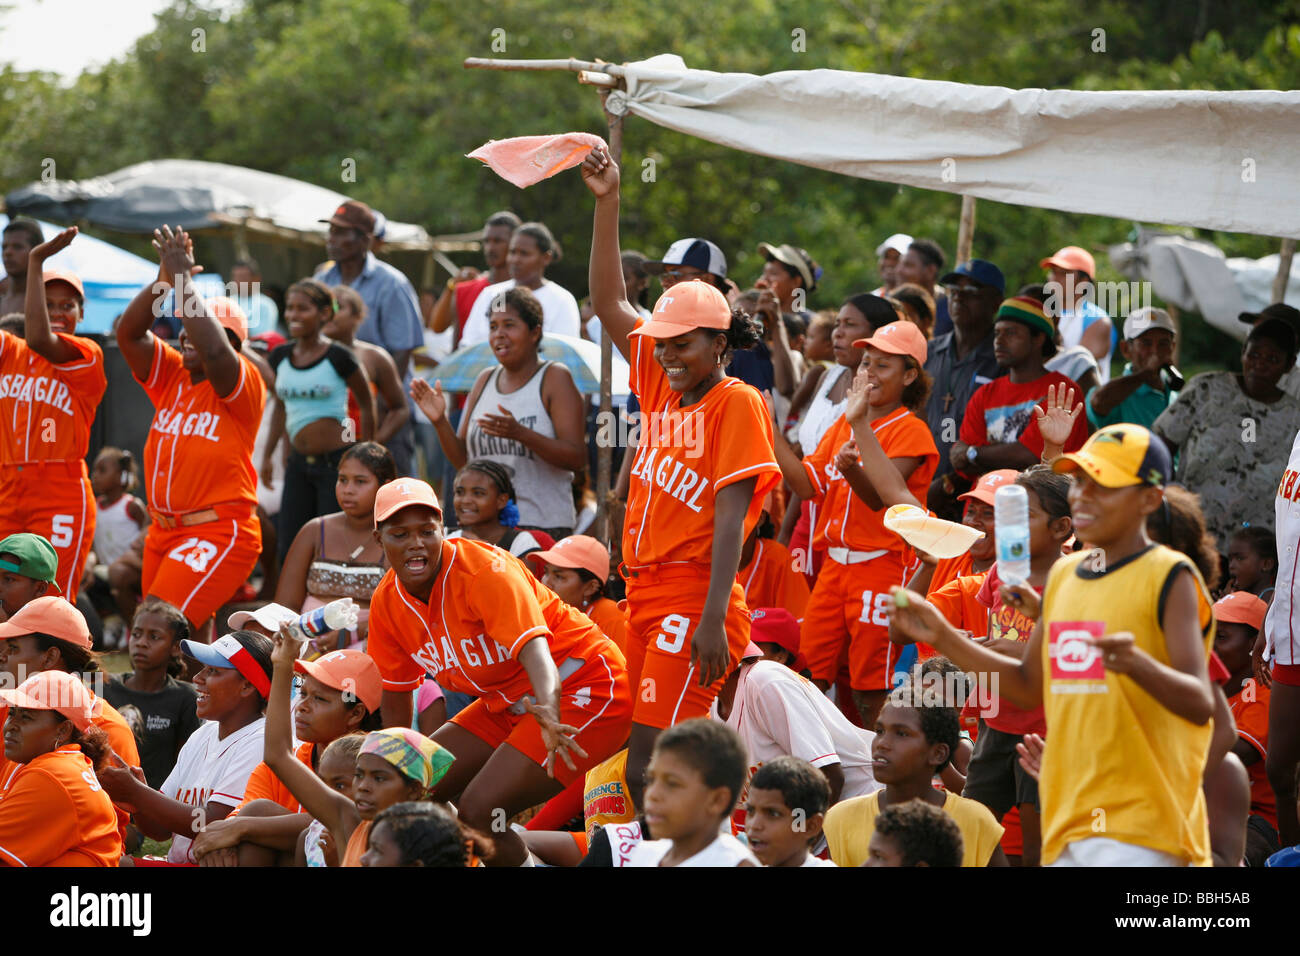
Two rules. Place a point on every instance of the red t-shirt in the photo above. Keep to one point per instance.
(466, 293)
(1007, 623)
(1003, 411)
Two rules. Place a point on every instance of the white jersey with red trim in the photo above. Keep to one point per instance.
(1282, 625)
(212, 770)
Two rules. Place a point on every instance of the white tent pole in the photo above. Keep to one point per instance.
(1283, 271)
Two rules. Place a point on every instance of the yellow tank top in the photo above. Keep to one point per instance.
(605, 799)
(1118, 764)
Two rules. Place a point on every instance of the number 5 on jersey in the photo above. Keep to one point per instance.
(194, 553)
(673, 636)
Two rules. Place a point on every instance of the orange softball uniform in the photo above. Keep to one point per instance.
(774, 579)
(198, 462)
(56, 814)
(263, 784)
(484, 608)
(864, 559)
(46, 412)
(684, 456)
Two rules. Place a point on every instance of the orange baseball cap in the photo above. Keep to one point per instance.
(577, 551)
(58, 691)
(1240, 607)
(403, 493)
(1072, 259)
(352, 672)
(48, 615)
(63, 275)
(690, 305)
(230, 315)
(898, 338)
(989, 483)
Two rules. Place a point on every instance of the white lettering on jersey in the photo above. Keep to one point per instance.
(196, 424)
(41, 388)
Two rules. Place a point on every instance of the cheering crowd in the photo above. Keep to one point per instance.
(759, 669)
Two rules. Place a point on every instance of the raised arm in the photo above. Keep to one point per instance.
(331, 808)
(41, 339)
(208, 337)
(888, 476)
(605, 273)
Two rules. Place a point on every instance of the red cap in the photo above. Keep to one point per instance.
(352, 672)
(1240, 607)
(690, 305)
(989, 483)
(577, 551)
(230, 315)
(776, 625)
(63, 275)
(403, 493)
(1072, 259)
(48, 615)
(58, 691)
(898, 338)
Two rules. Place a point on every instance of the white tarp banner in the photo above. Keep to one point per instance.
(1187, 157)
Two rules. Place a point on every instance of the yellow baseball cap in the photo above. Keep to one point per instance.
(1118, 456)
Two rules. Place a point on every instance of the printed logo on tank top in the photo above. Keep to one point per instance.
(198, 424)
(440, 654)
(483, 445)
(37, 388)
(1076, 662)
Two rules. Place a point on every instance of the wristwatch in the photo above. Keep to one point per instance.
(971, 452)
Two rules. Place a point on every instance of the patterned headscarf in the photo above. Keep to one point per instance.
(413, 754)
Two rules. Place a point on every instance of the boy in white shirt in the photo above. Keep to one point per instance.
(784, 812)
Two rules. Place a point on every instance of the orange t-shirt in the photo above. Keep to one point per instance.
(684, 456)
(356, 847)
(484, 607)
(263, 784)
(948, 569)
(772, 580)
(200, 447)
(56, 814)
(1251, 717)
(35, 393)
(612, 621)
(845, 520)
(956, 601)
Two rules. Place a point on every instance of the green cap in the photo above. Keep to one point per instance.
(35, 556)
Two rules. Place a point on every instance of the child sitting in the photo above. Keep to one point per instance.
(152, 690)
(914, 740)
(915, 834)
(695, 775)
(423, 834)
(1239, 617)
(120, 518)
(484, 499)
(338, 767)
(784, 813)
(577, 569)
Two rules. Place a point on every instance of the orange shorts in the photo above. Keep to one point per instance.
(851, 603)
(596, 699)
(56, 502)
(200, 568)
(663, 610)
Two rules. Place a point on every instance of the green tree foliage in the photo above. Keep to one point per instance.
(299, 86)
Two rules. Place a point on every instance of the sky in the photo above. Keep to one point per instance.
(90, 32)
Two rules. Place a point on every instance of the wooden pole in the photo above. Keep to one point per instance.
(601, 527)
(572, 65)
(1283, 271)
(966, 229)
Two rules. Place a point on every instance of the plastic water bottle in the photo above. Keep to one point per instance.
(340, 615)
(1011, 521)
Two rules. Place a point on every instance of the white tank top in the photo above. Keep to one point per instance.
(544, 492)
(821, 412)
(726, 850)
(114, 531)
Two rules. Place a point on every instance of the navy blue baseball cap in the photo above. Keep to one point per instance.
(696, 253)
(978, 270)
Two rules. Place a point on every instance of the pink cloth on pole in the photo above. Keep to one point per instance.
(525, 160)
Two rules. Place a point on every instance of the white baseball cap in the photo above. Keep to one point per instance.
(1145, 319)
(270, 616)
(899, 242)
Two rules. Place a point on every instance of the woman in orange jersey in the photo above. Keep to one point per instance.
(50, 388)
(55, 813)
(199, 475)
(865, 559)
(552, 690)
(703, 466)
